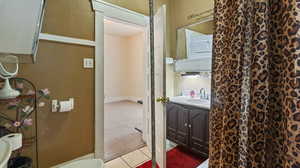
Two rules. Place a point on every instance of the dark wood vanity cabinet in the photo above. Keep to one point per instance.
(187, 126)
(177, 128)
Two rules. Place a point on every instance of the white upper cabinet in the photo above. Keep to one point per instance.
(198, 45)
(20, 25)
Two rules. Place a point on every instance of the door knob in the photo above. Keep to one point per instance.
(163, 100)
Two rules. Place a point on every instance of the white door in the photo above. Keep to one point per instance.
(147, 97)
(160, 85)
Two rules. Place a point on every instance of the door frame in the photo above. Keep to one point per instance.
(104, 9)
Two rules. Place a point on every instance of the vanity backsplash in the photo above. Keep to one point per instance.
(186, 85)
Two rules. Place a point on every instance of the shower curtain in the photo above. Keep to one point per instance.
(255, 117)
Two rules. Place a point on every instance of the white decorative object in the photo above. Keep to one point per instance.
(8, 144)
(5, 153)
(7, 92)
(15, 140)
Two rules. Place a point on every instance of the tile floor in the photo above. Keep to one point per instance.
(137, 158)
(130, 160)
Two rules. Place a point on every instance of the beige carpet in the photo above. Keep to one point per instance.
(120, 137)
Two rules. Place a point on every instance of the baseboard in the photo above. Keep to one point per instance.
(88, 156)
(114, 99)
(134, 99)
(121, 98)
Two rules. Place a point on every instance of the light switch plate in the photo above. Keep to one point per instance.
(88, 63)
(54, 105)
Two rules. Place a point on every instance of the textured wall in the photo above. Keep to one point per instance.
(135, 66)
(65, 136)
(124, 66)
(115, 60)
(140, 6)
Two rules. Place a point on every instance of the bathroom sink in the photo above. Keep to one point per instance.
(186, 100)
(198, 101)
(5, 152)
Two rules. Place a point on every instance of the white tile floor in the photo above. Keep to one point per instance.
(130, 160)
(137, 158)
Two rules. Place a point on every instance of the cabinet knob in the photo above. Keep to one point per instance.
(190, 126)
(185, 124)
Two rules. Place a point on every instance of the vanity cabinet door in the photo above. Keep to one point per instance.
(177, 124)
(199, 136)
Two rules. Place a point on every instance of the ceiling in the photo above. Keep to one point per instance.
(121, 29)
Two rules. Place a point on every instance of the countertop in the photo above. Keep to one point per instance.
(196, 102)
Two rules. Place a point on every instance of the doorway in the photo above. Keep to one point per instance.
(124, 88)
(107, 12)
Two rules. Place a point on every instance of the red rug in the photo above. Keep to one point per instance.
(178, 158)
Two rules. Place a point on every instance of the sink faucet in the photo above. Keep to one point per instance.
(203, 94)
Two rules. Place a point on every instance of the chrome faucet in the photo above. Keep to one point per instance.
(203, 94)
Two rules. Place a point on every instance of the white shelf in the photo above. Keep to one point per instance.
(68, 40)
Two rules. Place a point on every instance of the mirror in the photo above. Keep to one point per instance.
(20, 27)
(7, 72)
(195, 41)
(194, 46)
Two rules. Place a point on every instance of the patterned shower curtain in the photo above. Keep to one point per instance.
(255, 117)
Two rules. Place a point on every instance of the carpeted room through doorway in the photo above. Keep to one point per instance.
(120, 135)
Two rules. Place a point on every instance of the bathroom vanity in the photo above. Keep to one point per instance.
(187, 124)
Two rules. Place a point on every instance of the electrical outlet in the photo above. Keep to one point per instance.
(54, 105)
(88, 63)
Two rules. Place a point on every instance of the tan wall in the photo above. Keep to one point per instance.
(124, 66)
(190, 82)
(135, 66)
(74, 18)
(182, 9)
(205, 28)
(140, 6)
(115, 59)
(65, 136)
